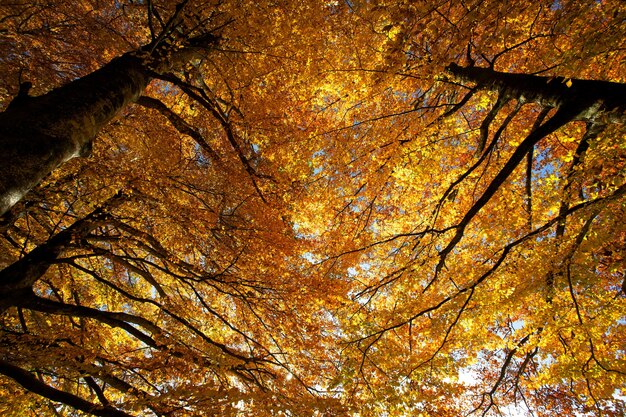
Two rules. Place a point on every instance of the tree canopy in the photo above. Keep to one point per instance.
(360, 208)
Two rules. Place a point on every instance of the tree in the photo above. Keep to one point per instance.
(40, 133)
(474, 202)
(419, 212)
(145, 279)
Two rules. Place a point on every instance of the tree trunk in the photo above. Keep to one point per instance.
(38, 134)
(596, 102)
(593, 101)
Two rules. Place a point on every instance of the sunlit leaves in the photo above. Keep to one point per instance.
(287, 256)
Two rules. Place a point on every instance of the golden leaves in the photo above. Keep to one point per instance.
(334, 283)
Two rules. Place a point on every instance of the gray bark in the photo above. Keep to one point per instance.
(594, 101)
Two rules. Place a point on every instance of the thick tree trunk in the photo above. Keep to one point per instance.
(589, 100)
(37, 134)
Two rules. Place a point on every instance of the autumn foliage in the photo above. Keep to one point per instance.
(359, 208)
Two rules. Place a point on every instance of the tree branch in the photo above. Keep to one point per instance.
(198, 95)
(113, 319)
(22, 274)
(32, 384)
(484, 126)
(180, 124)
(560, 118)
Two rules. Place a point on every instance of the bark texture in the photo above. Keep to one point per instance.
(38, 134)
(593, 101)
